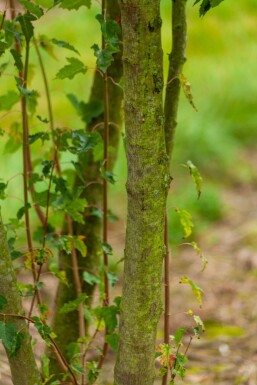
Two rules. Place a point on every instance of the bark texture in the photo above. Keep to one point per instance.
(147, 186)
(23, 365)
(177, 58)
(66, 325)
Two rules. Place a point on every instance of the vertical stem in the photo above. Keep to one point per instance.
(49, 105)
(166, 292)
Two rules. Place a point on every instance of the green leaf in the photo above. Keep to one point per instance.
(107, 249)
(3, 301)
(60, 274)
(34, 9)
(107, 175)
(113, 341)
(47, 167)
(15, 140)
(3, 186)
(45, 366)
(206, 5)
(186, 85)
(80, 246)
(76, 209)
(43, 120)
(178, 335)
(104, 56)
(88, 111)
(73, 305)
(196, 176)
(64, 44)
(197, 290)
(10, 337)
(90, 278)
(26, 25)
(3, 46)
(78, 368)
(83, 141)
(69, 71)
(22, 210)
(39, 135)
(74, 4)
(186, 221)
(17, 59)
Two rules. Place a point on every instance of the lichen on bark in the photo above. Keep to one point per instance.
(23, 364)
(147, 187)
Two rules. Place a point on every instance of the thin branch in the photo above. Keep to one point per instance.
(166, 293)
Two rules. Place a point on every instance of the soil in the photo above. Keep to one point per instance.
(227, 353)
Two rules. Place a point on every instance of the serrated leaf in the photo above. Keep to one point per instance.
(199, 252)
(104, 56)
(17, 59)
(76, 209)
(73, 305)
(74, 4)
(197, 290)
(60, 274)
(47, 166)
(34, 9)
(3, 302)
(69, 71)
(178, 335)
(39, 135)
(26, 25)
(10, 337)
(186, 221)
(64, 44)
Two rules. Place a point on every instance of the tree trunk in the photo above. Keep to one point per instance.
(147, 186)
(23, 365)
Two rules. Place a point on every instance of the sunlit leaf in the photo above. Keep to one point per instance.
(197, 290)
(186, 85)
(73, 305)
(186, 221)
(178, 335)
(196, 176)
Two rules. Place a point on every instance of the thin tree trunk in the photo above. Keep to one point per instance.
(147, 186)
(23, 365)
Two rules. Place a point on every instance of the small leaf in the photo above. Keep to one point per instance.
(34, 9)
(199, 252)
(47, 167)
(187, 90)
(22, 210)
(90, 278)
(196, 176)
(39, 135)
(80, 245)
(43, 120)
(186, 221)
(3, 187)
(107, 175)
(69, 71)
(107, 249)
(104, 56)
(25, 21)
(3, 47)
(64, 44)
(73, 305)
(74, 4)
(78, 368)
(45, 366)
(17, 59)
(178, 335)
(195, 288)
(199, 322)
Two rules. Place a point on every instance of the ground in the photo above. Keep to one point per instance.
(227, 352)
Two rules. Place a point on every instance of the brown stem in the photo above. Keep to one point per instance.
(166, 292)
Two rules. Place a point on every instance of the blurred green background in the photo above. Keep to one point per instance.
(219, 139)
